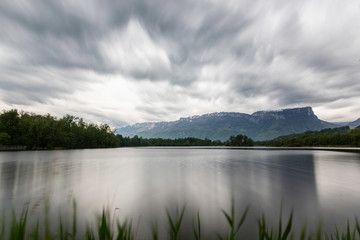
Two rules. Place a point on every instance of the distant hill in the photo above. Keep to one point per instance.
(339, 130)
(352, 125)
(342, 136)
(260, 125)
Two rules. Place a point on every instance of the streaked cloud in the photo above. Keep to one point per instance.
(131, 61)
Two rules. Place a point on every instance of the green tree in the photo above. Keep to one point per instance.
(240, 140)
(36, 131)
(4, 138)
(9, 123)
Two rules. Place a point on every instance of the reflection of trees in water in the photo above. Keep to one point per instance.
(146, 181)
(7, 183)
(265, 179)
(261, 179)
(297, 181)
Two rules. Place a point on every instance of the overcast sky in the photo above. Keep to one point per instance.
(127, 61)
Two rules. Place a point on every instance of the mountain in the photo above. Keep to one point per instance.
(260, 125)
(352, 125)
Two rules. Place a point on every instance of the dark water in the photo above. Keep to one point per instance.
(143, 182)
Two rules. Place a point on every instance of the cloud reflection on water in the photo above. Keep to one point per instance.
(143, 182)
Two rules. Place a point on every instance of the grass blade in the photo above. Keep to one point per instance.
(242, 220)
(357, 226)
(227, 217)
(74, 221)
(197, 232)
(280, 222)
(89, 233)
(104, 230)
(172, 226)
(288, 227)
(18, 228)
(303, 233)
(178, 224)
(35, 235)
(220, 237)
(154, 230)
(2, 231)
(337, 233)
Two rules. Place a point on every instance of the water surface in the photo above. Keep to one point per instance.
(143, 182)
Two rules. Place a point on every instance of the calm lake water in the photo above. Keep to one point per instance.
(143, 182)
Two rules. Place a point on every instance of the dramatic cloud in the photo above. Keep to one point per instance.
(130, 61)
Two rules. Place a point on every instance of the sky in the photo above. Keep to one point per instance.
(128, 61)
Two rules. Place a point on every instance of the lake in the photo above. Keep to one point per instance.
(143, 182)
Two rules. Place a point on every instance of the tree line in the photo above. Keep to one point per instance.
(48, 132)
(69, 132)
(136, 141)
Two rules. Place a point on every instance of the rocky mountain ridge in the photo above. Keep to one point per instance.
(261, 125)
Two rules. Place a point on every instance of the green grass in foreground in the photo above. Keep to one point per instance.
(110, 228)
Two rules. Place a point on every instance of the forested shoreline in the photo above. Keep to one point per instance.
(239, 140)
(48, 132)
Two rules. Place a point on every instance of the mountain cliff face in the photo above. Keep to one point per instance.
(262, 125)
